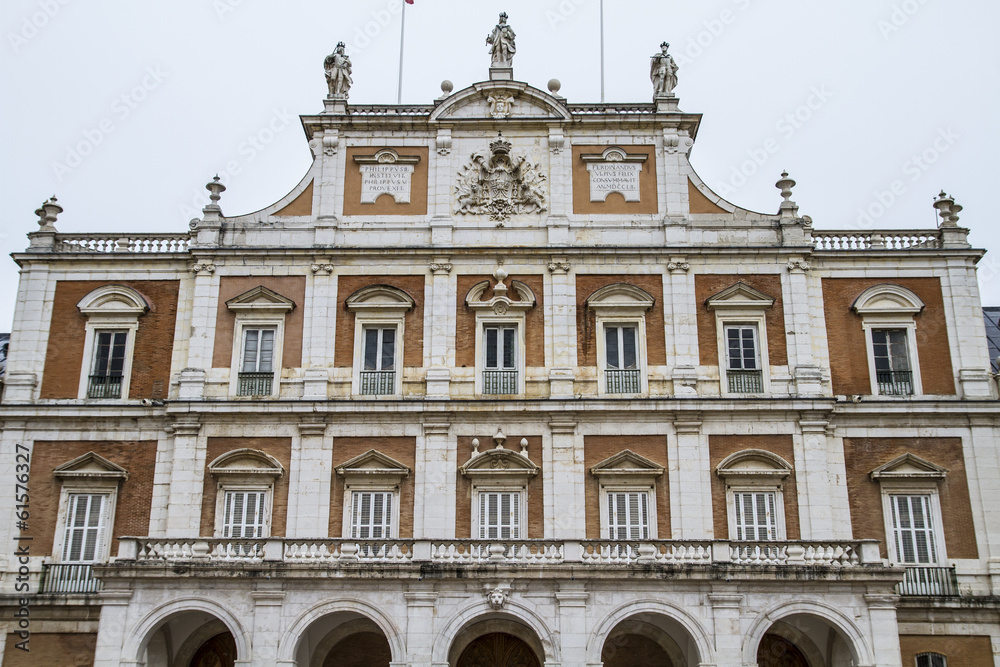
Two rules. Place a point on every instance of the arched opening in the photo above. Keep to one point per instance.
(804, 640)
(649, 640)
(496, 641)
(343, 639)
(191, 639)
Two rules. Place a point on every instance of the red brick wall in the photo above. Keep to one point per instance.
(961, 651)
(586, 319)
(596, 448)
(463, 491)
(154, 340)
(413, 321)
(135, 495)
(534, 321)
(279, 448)
(862, 455)
(707, 285)
(721, 446)
(402, 448)
(848, 347)
(64, 649)
(290, 287)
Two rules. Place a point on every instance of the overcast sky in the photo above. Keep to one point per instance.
(124, 109)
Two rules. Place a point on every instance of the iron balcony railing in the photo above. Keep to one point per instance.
(622, 381)
(105, 386)
(69, 578)
(894, 383)
(934, 581)
(254, 384)
(378, 383)
(499, 382)
(745, 382)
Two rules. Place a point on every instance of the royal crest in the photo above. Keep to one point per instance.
(499, 185)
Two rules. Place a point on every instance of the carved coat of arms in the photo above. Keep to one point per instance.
(499, 185)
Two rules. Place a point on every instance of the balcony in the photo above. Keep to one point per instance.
(378, 383)
(622, 381)
(745, 382)
(933, 581)
(499, 382)
(254, 384)
(68, 578)
(894, 383)
(104, 386)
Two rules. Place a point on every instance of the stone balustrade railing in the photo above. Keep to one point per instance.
(902, 239)
(330, 552)
(122, 243)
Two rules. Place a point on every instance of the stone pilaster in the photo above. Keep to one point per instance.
(187, 478)
(801, 345)
(311, 474)
(440, 304)
(682, 327)
(728, 633)
(885, 631)
(690, 481)
(821, 515)
(201, 344)
(267, 632)
(573, 631)
(562, 307)
(564, 477)
(111, 631)
(319, 332)
(420, 603)
(29, 333)
(437, 479)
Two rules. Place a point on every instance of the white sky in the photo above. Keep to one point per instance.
(888, 80)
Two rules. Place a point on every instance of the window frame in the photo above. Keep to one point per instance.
(381, 306)
(755, 471)
(258, 308)
(349, 494)
(909, 328)
(88, 474)
(628, 472)
(500, 310)
(911, 475)
(605, 506)
(244, 470)
(374, 472)
(741, 305)
(750, 489)
(481, 487)
(110, 308)
(889, 306)
(620, 304)
(484, 322)
(930, 656)
(499, 470)
(245, 486)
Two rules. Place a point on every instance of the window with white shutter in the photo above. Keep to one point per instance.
(913, 529)
(499, 515)
(756, 517)
(86, 526)
(628, 515)
(245, 515)
(371, 515)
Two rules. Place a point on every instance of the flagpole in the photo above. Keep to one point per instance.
(602, 50)
(399, 86)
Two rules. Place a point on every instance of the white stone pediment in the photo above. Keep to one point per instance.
(739, 296)
(379, 298)
(909, 466)
(887, 299)
(246, 462)
(510, 99)
(113, 301)
(499, 462)
(753, 463)
(90, 466)
(627, 463)
(260, 299)
(373, 463)
(621, 296)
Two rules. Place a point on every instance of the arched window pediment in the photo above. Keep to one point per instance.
(620, 297)
(113, 301)
(379, 298)
(753, 464)
(246, 462)
(887, 299)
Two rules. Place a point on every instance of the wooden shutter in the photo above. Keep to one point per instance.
(756, 515)
(86, 525)
(371, 515)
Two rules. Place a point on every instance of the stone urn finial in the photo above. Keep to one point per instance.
(47, 214)
(788, 208)
(499, 439)
(946, 206)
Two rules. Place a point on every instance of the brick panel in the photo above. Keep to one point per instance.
(291, 287)
(534, 321)
(596, 448)
(721, 446)
(463, 491)
(862, 455)
(848, 347)
(135, 495)
(154, 339)
(961, 651)
(413, 321)
(586, 319)
(279, 448)
(401, 448)
(707, 285)
(52, 648)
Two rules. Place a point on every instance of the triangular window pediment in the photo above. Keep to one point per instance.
(740, 296)
(627, 462)
(90, 466)
(373, 463)
(260, 299)
(909, 466)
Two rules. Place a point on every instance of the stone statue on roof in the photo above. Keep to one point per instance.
(338, 72)
(501, 42)
(663, 72)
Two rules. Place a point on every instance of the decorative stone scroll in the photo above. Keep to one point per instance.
(386, 172)
(614, 170)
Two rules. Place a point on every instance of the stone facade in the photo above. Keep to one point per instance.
(490, 406)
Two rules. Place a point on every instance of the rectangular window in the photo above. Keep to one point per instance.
(109, 364)
(500, 360)
(931, 660)
(628, 515)
(913, 532)
(499, 515)
(756, 516)
(258, 350)
(86, 519)
(378, 356)
(621, 359)
(741, 348)
(244, 516)
(892, 362)
(371, 515)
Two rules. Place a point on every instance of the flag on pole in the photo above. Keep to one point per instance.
(409, 2)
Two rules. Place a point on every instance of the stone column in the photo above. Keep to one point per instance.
(823, 507)
(310, 476)
(690, 481)
(328, 199)
(435, 487)
(440, 314)
(319, 335)
(803, 345)
(187, 479)
(565, 475)
(728, 633)
(885, 631)
(682, 327)
(267, 630)
(420, 602)
(111, 630)
(201, 343)
(573, 627)
(562, 308)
